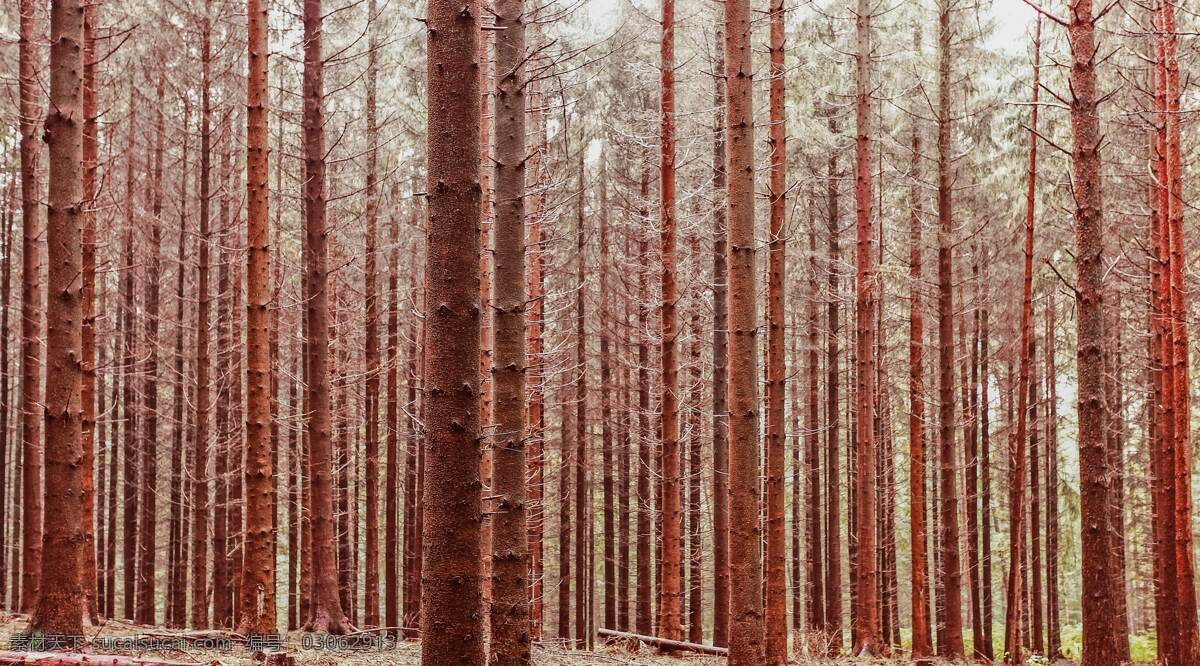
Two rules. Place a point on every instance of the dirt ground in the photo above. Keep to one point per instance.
(186, 648)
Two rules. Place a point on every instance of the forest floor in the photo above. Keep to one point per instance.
(181, 646)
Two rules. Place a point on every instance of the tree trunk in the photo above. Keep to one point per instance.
(60, 600)
(833, 539)
(200, 490)
(720, 419)
(451, 586)
(776, 546)
(371, 354)
(670, 581)
(32, 409)
(325, 612)
(1015, 595)
(177, 571)
(510, 631)
(535, 364)
(922, 643)
(866, 613)
(745, 558)
(1053, 625)
(1104, 641)
(129, 400)
(88, 326)
(645, 530)
(257, 615)
(951, 572)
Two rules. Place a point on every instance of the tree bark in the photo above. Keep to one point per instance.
(670, 593)
(371, 354)
(60, 596)
(776, 546)
(451, 618)
(922, 643)
(720, 345)
(745, 558)
(257, 614)
(88, 328)
(866, 613)
(325, 612)
(31, 307)
(510, 630)
(1104, 641)
(833, 539)
(200, 483)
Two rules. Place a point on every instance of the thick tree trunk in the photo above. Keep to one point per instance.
(325, 612)
(670, 592)
(866, 612)
(257, 603)
(451, 617)
(31, 308)
(1104, 641)
(1188, 638)
(510, 631)
(776, 546)
(60, 597)
(745, 558)
(951, 570)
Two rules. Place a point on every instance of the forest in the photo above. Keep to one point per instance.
(596, 331)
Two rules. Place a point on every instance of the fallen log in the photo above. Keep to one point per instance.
(76, 659)
(664, 643)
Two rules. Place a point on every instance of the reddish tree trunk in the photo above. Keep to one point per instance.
(776, 547)
(451, 618)
(88, 331)
(200, 484)
(392, 580)
(148, 502)
(535, 371)
(31, 307)
(1054, 638)
(815, 592)
(129, 401)
(833, 539)
(720, 420)
(325, 611)
(670, 593)
(510, 631)
(60, 597)
(866, 612)
(177, 572)
(645, 530)
(922, 643)
(583, 556)
(1015, 595)
(257, 603)
(1104, 641)
(371, 354)
(745, 558)
(951, 571)
(606, 414)
(985, 476)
